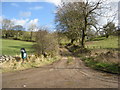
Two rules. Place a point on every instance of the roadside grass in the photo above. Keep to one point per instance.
(33, 62)
(12, 47)
(99, 46)
(69, 60)
(106, 67)
(101, 54)
(103, 43)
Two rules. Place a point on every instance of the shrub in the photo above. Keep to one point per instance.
(46, 43)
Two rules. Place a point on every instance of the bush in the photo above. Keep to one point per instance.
(46, 43)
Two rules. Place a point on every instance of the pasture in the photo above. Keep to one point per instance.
(12, 47)
(103, 43)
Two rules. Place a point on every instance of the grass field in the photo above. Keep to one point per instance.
(12, 47)
(103, 43)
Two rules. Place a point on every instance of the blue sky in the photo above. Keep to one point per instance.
(40, 13)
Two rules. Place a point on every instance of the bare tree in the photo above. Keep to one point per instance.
(109, 29)
(7, 24)
(46, 43)
(89, 10)
(68, 20)
(32, 28)
(80, 16)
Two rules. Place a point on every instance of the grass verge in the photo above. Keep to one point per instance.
(69, 60)
(33, 62)
(106, 67)
(100, 54)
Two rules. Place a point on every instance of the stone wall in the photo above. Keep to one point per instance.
(4, 58)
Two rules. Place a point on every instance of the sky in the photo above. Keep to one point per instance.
(40, 12)
(25, 13)
(119, 14)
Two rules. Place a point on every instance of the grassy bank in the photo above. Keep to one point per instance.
(33, 62)
(12, 47)
(102, 66)
(101, 54)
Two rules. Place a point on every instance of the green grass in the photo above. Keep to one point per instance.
(99, 45)
(107, 67)
(69, 60)
(105, 43)
(12, 47)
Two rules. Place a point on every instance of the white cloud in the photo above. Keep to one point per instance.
(32, 0)
(25, 22)
(107, 1)
(56, 2)
(22, 22)
(14, 4)
(34, 21)
(25, 14)
(113, 0)
(36, 8)
(1, 18)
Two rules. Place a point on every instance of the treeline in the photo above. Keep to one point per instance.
(12, 31)
(18, 35)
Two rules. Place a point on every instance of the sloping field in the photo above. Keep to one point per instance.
(105, 43)
(12, 47)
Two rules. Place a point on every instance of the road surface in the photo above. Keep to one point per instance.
(60, 74)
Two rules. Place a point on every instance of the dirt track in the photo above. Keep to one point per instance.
(60, 74)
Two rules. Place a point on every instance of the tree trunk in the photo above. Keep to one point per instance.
(16, 35)
(107, 35)
(71, 43)
(83, 38)
(83, 33)
(6, 35)
(31, 36)
(72, 40)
